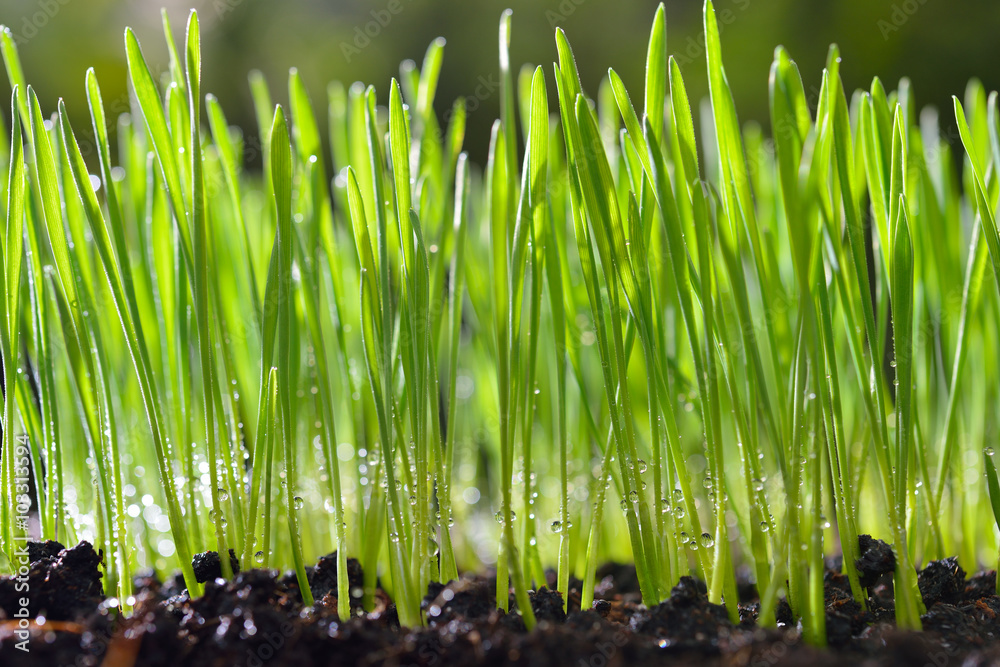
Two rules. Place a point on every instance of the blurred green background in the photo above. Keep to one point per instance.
(939, 44)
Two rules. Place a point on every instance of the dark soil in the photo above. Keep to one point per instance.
(258, 618)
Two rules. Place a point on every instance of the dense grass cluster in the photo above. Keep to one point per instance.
(621, 339)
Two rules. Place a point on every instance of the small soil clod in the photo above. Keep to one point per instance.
(208, 565)
(876, 560)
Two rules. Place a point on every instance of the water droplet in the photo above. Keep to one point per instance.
(678, 511)
(642, 466)
(764, 526)
(259, 557)
(707, 540)
(556, 526)
(989, 451)
(665, 505)
(633, 496)
(299, 503)
(413, 501)
(223, 494)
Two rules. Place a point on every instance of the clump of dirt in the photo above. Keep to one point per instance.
(208, 566)
(61, 584)
(942, 581)
(685, 620)
(981, 585)
(877, 560)
(323, 578)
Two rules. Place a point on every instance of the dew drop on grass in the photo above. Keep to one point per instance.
(764, 526)
(642, 466)
(634, 496)
(624, 505)
(707, 540)
(824, 523)
(413, 501)
(679, 512)
(556, 526)
(499, 517)
(665, 505)
(299, 503)
(259, 557)
(223, 494)
(988, 451)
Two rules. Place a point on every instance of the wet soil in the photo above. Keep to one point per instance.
(258, 618)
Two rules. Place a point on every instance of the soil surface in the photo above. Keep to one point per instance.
(258, 618)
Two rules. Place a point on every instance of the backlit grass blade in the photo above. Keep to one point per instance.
(993, 484)
(281, 180)
(156, 124)
(200, 235)
(13, 255)
(230, 169)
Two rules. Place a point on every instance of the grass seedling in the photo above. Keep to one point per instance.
(376, 347)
